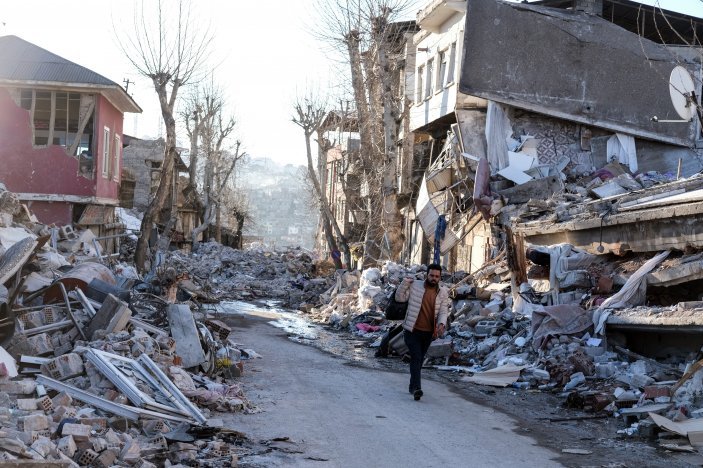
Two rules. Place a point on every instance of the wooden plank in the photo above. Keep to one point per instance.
(184, 331)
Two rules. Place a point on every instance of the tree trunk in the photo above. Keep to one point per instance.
(218, 224)
(163, 191)
(238, 237)
(325, 211)
(391, 219)
(192, 173)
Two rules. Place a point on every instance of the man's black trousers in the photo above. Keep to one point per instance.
(417, 342)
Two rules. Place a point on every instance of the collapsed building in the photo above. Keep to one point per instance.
(565, 205)
(61, 128)
(591, 157)
(102, 367)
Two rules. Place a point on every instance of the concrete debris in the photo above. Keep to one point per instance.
(544, 337)
(216, 271)
(99, 367)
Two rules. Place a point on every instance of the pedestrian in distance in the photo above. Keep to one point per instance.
(425, 320)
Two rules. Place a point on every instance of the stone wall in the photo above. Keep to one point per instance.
(140, 158)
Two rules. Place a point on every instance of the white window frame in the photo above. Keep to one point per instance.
(451, 65)
(441, 79)
(116, 163)
(429, 85)
(106, 153)
(420, 83)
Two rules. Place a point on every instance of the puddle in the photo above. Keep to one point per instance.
(299, 328)
(290, 322)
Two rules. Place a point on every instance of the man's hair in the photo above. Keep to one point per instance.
(434, 266)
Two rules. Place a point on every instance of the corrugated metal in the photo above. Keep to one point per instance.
(22, 60)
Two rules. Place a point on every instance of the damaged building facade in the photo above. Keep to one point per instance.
(61, 128)
(141, 173)
(603, 157)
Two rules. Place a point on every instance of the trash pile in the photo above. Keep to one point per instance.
(217, 272)
(98, 368)
(523, 341)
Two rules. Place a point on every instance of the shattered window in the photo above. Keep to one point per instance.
(106, 152)
(442, 70)
(450, 70)
(63, 129)
(420, 73)
(42, 117)
(116, 161)
(26, 99)
(430, 72)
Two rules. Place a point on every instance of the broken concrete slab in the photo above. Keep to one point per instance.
(184, 331)
(63, 367)
(501, 376)
(113, 316)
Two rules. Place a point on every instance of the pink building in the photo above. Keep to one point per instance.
(60, 134)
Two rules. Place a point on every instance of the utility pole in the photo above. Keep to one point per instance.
(127, 82)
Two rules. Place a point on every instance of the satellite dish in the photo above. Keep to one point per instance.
(681, 88)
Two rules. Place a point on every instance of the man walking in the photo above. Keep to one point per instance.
(426, 319)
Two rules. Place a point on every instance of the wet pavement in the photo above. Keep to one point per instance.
(299, 328)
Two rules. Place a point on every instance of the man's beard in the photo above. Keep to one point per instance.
(429, 282)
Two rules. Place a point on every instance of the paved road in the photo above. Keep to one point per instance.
(338, 414)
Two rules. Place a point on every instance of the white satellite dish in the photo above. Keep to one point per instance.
(681, 88)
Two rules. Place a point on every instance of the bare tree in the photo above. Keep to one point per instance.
(215, 127)
(363, 31)
(170, 51)
(309, 113)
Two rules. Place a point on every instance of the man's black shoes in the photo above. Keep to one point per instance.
(417, 394)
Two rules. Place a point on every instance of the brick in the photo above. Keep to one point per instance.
(63, 349)
(34, 435)
(653, 391)
(87, 457)
(62, 399)
(63, 412)
(440, 348)
(78, 431)
(42, 446)
(19, 387)
(40, 345)
(45, 403)
(106, 459)
(95, 423)
(99, 444)
(67, 232)
(218, 327)
(64, 367)
(132, 452)
(27, 404)
(33, 422)
(153, 426)
(67, 446)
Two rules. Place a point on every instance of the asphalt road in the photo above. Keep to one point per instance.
(335, 413)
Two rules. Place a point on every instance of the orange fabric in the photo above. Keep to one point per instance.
(425, 320)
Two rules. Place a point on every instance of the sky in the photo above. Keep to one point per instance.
(263, 57)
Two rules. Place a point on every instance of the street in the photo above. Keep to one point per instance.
(337, 414)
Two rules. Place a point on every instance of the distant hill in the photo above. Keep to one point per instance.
(279, 203)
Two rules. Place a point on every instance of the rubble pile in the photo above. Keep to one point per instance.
(98, 368)
(288, 275)
(551, 335)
